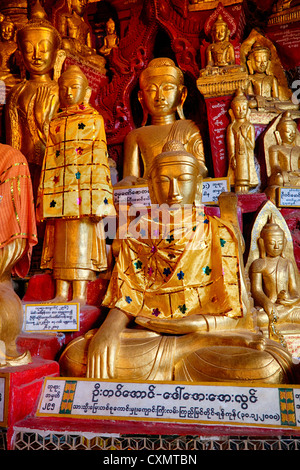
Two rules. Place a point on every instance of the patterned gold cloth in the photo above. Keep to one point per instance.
(188, 266)
(75, 179)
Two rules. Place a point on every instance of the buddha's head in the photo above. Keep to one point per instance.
(240, 105)
(175, 177)
(7, 29)
(287, 129)
(79, 6)
(39, 43)
(110, 26)
(220, 31)
(259, 58)
(162, 91)
(272, 239)
(73, 87)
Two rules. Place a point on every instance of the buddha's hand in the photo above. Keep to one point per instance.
(170, 325)
(42, 105)
(102, 353)
(285, 299)
(104, 346)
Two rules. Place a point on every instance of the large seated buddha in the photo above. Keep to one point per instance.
(178, 304)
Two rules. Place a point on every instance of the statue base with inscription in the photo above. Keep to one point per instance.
(20, 387)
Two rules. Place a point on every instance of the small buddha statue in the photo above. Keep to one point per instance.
(283, 156)
(75, 190)
(111, 40)
(162, 95)
(179, 283)
(33, 102)
(220, 55)
(275, 279)
(18, 235)
(240, 140)
(263, 86)
(8, 48)
(76, 33)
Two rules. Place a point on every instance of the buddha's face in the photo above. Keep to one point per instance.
(72, 90)
(220, 32)
(7, 31)
(161, 95)
(288, 133)
(175, 182)
(79, 6)
(240, 108)
(274, 243)
(260, 61)
(38, 50)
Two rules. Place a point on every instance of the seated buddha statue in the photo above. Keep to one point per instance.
(240, 139)
(220, 54)
(175, 294)
(75, 190)
(274, 278)
(111, 39)
(282, 142)
(76, 32)
(32, 103)
(18, 235)
(264, 87)
(8, 48)
(162, 95)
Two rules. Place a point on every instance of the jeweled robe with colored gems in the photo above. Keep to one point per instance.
(75, 186)
(186, 267)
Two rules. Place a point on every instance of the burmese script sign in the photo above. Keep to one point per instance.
(139, 194)
(263, 406)
(289, 197)
(51, 317)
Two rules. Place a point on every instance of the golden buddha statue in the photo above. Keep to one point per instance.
(266, 92)
(111, 40)
(17, 237)
(75, 190)
(76, 32)
(240, 140)
(273, 273)
(175, 297)
(8, 48)
(162, 95)
(282, 153)
(220, 55)
(33, 102)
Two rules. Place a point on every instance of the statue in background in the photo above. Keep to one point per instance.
(8, 48)
(162, 95)
(268, 89)
(17, 237)
(76, 32)
(220, 55)
(75, 190)
(282, 153)
(111, 40)
(273, 273)
(240, 140)
(32, 103)
(175, 283)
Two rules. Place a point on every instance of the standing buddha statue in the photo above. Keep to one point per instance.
(32, 103)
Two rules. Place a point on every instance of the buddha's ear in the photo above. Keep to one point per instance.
(250, 67)
(151, 192)
(261, 247)
(60, 58)
(88, 94)
(183, 95)
(198, 195)
(145, 112)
